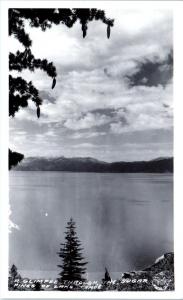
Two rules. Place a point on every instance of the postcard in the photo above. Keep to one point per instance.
(88, 202)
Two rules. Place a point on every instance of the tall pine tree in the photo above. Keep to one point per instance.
(73, 264)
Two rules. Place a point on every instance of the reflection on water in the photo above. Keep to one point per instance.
(124, 221)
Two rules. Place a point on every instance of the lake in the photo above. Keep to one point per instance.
(124, 221)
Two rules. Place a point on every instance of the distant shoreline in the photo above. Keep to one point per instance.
(161, 173)
(90, 165)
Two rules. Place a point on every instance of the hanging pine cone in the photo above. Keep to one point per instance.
(38, 111)
(108, 31)
(84, 28)
(53, 83)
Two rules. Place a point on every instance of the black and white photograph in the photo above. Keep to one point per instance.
(91, 149)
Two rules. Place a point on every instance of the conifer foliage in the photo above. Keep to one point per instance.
(20, 91)
(106, 276)
(13, 275)
(14, 158)
(73, 263)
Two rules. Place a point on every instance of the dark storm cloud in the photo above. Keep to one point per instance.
(153, 73)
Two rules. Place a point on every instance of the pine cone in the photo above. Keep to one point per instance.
(38, 111)
(54, 83)
(108, 31)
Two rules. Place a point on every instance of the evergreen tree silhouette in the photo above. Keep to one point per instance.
(73, 264)
(21, 91)
(107, 276)
(13, 274)
(106, 280)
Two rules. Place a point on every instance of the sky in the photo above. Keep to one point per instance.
(113, 97)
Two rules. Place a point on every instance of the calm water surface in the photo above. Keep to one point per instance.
(124, 221)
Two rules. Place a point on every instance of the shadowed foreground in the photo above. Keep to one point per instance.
(158, 277)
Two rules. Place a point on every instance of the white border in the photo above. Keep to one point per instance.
(177, 8)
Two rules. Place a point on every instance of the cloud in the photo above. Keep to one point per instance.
(105, 111)
(107, 73)
(87, 121)
(45, 96)
(93, 98)
(85, 145)
(146, 112)
(50, 133)
(87, 135)
(153, 73)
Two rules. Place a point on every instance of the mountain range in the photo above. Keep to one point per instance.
(88, 164)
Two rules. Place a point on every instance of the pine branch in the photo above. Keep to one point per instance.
(16, 27)
(45, 18)
(20, 91)
(26, 60)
